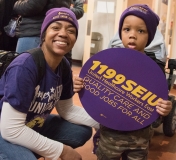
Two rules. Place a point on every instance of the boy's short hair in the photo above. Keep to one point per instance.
(142, 11)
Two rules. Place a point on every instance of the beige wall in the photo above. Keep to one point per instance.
(148, 2)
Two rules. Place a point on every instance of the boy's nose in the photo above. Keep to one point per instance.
(132, 35)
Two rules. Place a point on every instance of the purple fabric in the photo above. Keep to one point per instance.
(144, 12)
(18, 88)
(56, 14)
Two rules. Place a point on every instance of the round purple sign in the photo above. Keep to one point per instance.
(121, 88)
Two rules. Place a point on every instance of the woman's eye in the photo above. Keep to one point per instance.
(55, 28)
(71, 31)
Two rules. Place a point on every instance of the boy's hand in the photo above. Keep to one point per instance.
(77, 84)
(164, 107)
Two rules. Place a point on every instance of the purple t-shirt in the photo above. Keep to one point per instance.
(18, 87)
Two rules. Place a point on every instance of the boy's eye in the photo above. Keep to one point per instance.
(141, 31)
(126, 29)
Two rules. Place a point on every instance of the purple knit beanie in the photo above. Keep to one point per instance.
(56, 14)
(146, 14)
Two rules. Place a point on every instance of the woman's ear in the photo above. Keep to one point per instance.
(43, 36)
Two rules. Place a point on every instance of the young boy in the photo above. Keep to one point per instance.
(137, 28)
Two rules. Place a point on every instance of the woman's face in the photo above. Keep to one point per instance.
(60, 38)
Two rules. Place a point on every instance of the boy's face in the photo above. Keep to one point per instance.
(60, 38)
(134, 33)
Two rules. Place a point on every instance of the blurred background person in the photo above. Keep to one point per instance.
(32, 14)
(6, 13)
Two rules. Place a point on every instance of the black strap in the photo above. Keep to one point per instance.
(39, 59)
(160, 63)
(151, 55)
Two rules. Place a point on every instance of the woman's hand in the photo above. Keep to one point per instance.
(69, 153)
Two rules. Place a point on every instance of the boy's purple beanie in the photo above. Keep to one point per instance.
(146, 14)
(59, 14)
